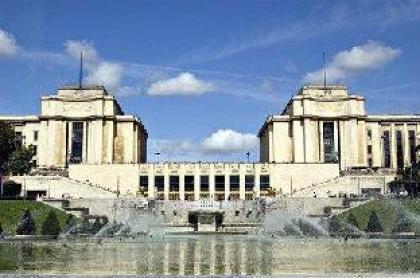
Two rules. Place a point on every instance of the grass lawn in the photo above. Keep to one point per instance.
(386, 210)
(11, 213)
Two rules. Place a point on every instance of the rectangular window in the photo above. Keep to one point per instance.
(77, 143)
(370, 163)
(412, 145)
(369, 149)
(36, 135)
(174, 183)
(400, 160)
(234, 183)
(18, 139)
(35, 147)
(369, 134)
(386, 149)
(204, 183)
(144, 183)
(160, 183)
(264, 182)
(220, 183)
(189, 183)
(328, 135)
(249, 182)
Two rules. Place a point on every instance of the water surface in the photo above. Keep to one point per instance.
(207, 255)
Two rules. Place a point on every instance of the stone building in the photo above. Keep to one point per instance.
(304, 151)
(329, 125)
(81, 126)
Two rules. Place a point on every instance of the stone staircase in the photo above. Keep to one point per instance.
(349, 184)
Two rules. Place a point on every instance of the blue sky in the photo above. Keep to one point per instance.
(203, 75)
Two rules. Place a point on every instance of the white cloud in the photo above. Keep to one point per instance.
(90, 55)
(362, 58)
(100, 72)
(222, 143)
(229, 141)
(106, 74)
(184, 84)
(8, 45)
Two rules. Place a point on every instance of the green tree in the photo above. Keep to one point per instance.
(337, 225)
(20, 161)
(51, 225)
(27, 225)
(352, 220)
(7, 143)
(1, 230)
(374, 225)
(402, 223)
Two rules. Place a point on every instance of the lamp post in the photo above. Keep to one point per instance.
(247, 155)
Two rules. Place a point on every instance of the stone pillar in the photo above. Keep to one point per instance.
(181, 186)
(227, 187)
(110, 141)
(393, 147)
(242, 181)
(166, 182)
(406, 146)
(151, 177)
(196, 182)
(354, 144)
(257, 174)
(307, 147)
(343, 141)
(84, 143)
(298, 148)
(376, 145)
(211, 181)
(321, 140)
(270, 143)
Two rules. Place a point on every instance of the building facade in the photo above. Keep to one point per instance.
(329, 125)
(81, 126)
(322, 132)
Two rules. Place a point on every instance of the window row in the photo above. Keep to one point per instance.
(219, 183)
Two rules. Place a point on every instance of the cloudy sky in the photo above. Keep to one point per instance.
(203, 75)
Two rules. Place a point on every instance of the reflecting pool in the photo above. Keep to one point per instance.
(207, 255)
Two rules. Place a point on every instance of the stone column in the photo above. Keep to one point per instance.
(242, 174)
(406, 146)
(196, 182)
(343, 153)
(151, 178)
(376, 145)
(166, 182)
(257, 174)
(110, 142)
(227, 187)
(321, 140)
(354, 142)
(307, 140)
(84, 143)
(298, 142)
(181, 186)
(393, 147)
(211, 181)
(270, 143)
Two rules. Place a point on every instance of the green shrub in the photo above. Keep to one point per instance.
(27, 225)
(352, 220)
(51, 225)
(374, 225)
(402, 223)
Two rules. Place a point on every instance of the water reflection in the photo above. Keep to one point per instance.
(220, 255)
